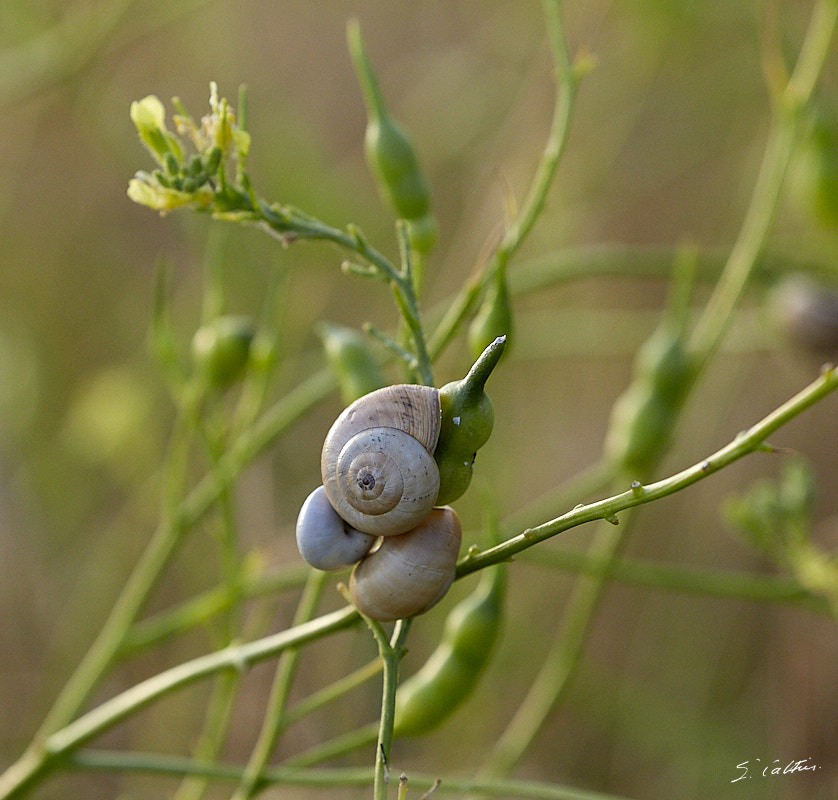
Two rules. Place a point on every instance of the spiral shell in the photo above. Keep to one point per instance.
(377, 461)
(409, 574)
(324, 540)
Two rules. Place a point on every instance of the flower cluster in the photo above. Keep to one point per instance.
(196, 179)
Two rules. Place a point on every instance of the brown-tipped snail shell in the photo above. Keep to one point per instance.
(324, 540)
(409, 574)
(377, 463)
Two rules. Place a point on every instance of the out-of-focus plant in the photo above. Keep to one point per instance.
(222, 419)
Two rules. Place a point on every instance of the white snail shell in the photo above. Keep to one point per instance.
(324, 540)
(377, 462)
(410, 573)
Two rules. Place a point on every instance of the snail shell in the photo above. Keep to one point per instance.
(409, 574)
(377, 462)
(324, 540)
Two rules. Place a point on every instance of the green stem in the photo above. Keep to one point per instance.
(560, 663)
(765, 198)
(35, 763)
(687, 580)
(285, 671)
(747, 442)
(285, 222)
(325, 778)
(567, 80)
(203, 607)
(331, 692)
(337, 746)
(391, 653)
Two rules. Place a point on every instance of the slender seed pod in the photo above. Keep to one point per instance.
(389, 151)
(493, 318)
(350, 360)
(451, 672)
(467, 420)
(643, 417)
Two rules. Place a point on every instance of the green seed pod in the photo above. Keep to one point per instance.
(467, 420)
(389, 151)
(644, 415)
(221, 348)
(493, 318)
(350, 360)
(422, 233)
(814, 175)
(451, 672)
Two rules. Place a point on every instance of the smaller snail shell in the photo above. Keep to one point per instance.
(410, 573)
(324, 540)
(377, 462)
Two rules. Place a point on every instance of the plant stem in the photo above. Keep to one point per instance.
(21, 775)
(567, 80)
(391, 652)
(556, 672)
(280, 689)
(766, 194)
(747, 442)
(348, 776)
(688, 580)
(331, 692)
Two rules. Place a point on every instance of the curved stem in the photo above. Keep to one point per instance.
(747, 442)
(348, 776)
(765, 198)
(266, 741)
(684, 579)
(567, 80)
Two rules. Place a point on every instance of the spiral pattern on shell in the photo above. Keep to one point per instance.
(380, 479)
(377, 462)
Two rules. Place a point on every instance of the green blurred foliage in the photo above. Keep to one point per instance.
(675, 690)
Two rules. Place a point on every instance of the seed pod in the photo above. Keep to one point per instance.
(451, 672)
(390, 154)
(350, 360)
(644, 415)
(221, 347)
(467, 420)
(493, 318)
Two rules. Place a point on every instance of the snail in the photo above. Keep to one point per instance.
(325, 541)
(381, 465)
(377, 463)
(409, 574)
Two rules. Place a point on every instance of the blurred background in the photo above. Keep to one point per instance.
(675, 690)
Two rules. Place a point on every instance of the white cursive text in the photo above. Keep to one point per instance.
(749, 769)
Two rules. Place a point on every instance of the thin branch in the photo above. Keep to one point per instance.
(747, 442)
